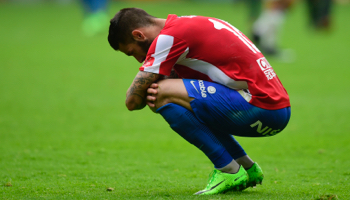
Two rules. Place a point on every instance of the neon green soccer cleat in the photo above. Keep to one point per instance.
(220, 182)
(95, 23)
(255, 174)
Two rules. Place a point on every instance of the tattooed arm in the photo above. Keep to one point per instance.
(137, 92)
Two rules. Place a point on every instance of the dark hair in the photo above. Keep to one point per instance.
(124, 22)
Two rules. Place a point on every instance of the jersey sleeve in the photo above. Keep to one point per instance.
(163, 54)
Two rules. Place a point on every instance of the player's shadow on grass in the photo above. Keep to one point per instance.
(185, 192)
(244, 192)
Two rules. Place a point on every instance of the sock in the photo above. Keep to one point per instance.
(186, 124)
(267, 27)
(230, 143)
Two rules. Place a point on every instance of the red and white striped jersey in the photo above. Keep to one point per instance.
(205, 48)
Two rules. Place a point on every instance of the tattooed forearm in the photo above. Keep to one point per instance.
(144, 79)
(137, 92)
(141, 82)
(140, 98)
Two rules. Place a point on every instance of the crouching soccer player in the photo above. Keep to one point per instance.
(209, 82)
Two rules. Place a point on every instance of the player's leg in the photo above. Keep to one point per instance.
(188, 126)
(254, 171)
(234, 149)
(169, 91)
(319, 13)
(95, 16)
(226, 112)
(266, 29)
(94, 5)
(228, 175)
(230, 113)
(174, 91)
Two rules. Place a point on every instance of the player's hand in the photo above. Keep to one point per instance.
(152, 92)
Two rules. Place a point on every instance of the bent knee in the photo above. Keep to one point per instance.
(172, 91)
(170, 88)
(165, 92)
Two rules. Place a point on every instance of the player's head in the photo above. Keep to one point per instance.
(123, 29)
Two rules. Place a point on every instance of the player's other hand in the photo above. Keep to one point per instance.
(152, 92)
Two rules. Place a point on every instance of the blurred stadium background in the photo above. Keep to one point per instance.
(65, 132)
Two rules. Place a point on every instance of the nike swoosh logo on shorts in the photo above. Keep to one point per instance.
(192, 82)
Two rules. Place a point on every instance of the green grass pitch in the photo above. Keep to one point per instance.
(65, 132)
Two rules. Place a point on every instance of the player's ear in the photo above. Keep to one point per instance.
(138, 35)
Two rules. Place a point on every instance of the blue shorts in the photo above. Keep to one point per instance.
(225, 110)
